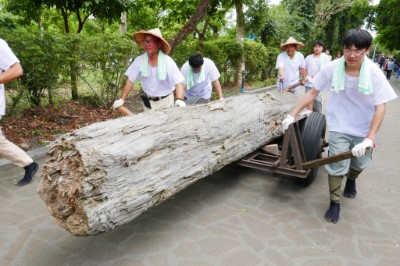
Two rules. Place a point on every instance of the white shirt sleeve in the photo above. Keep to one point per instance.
(213, 70)
(184, 70)
(280, 62)
(7, 57)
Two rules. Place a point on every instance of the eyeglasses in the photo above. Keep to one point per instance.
(149, 41)
(354, 52)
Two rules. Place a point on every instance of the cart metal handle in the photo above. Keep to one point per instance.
(331, 159)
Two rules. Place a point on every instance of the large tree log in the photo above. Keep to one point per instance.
(106, 174)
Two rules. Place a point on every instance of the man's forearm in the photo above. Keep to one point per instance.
(218, 89)
(377, 120)
(179, 91)
(308, 98)
(12, 73)
(127, 88)
(303, 73)
(281, 73)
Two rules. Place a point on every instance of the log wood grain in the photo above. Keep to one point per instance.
(106, 174)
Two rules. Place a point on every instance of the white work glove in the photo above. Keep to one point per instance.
(308, 78)
(305, 113)
(359, 149)
(180, 103)
(287, 122)
(118, 103)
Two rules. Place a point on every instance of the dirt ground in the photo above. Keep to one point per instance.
(38, 126)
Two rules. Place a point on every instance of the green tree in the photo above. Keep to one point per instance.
(79, 10)
(190, 25)
(259, 21)
(42, 57)
(72, 12)
(388, 24)
(304, 9)
(338, 20)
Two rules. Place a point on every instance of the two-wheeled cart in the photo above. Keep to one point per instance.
(298, 151)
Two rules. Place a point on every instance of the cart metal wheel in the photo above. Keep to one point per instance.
(312, 137)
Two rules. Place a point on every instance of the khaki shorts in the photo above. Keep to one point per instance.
(166, 102)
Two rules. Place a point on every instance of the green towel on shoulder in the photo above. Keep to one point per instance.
(190, 79)
(364, 79)
(161, 66)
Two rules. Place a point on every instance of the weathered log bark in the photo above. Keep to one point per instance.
(106, 174)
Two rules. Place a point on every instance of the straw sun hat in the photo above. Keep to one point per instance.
(289, 41)
(139, 37)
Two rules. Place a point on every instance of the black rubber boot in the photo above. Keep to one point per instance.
(332, 214)
(350, 189)
(30, 171)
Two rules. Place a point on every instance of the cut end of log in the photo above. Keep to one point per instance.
(57, 192)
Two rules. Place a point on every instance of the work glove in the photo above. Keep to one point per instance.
(359, 149)
(180, 103)
(118, 103)
(287, 122)
(305, 113)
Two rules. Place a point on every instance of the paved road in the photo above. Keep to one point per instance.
(235, 217)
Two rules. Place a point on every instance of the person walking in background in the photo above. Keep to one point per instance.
(338, 54)
(158, 73)
(201, 75)
(328, 53)
(289, 64)
(314, 63)
(390, 67)
(381, 61)
(11, 69)
(359, 92)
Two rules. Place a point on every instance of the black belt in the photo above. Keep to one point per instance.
(155, 99)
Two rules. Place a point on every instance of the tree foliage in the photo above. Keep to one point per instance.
(43, 57)
(190, 25)
(259, 22)
(388, 24)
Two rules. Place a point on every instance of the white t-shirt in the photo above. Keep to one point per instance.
(204, 88)
(350, 111)
(151, 85)
(329, 56)
(291, 68)
(7, 59)
(314, 64)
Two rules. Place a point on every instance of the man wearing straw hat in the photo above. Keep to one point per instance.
(289, 64)
(158, 73)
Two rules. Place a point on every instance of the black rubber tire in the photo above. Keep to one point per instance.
(312, 137)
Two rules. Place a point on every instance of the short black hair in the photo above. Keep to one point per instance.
(320, 43)
(359, 38)
(196, 60)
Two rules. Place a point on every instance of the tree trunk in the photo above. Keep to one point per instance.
(200, 12)
(74, 80)
(108, 173)
(239, 39)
